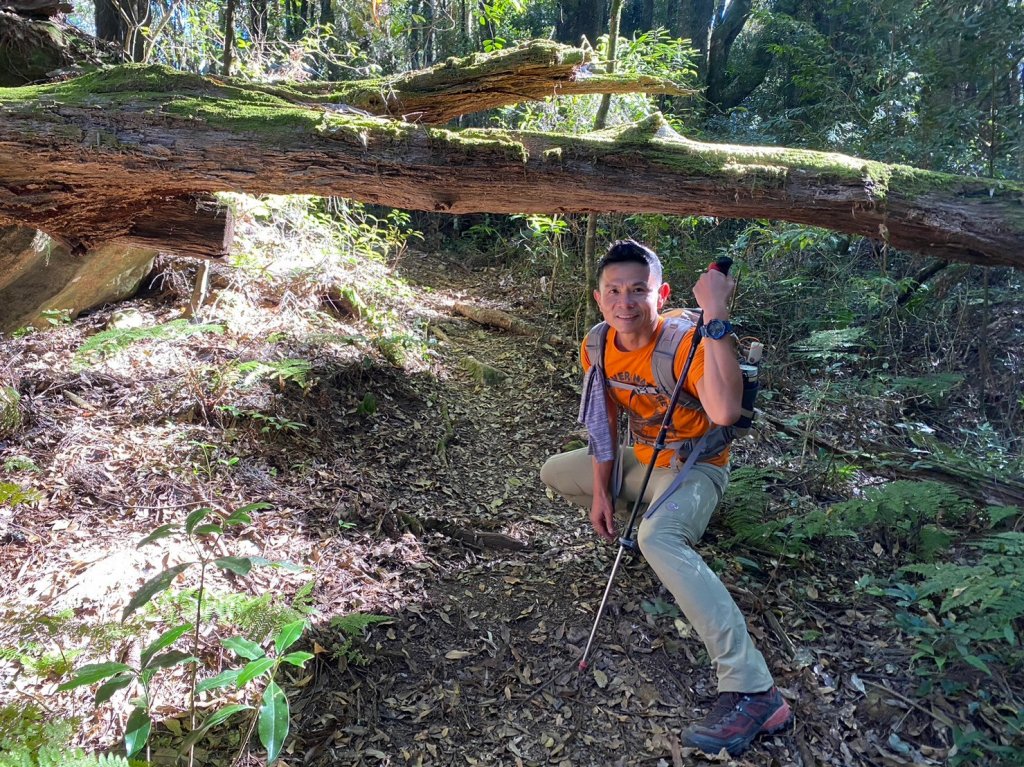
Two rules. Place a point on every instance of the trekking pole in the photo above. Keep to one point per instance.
(627, 541)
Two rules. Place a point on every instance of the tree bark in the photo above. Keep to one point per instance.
(478, 82)
(229, 36)
(81, 160)
(578, 19)
(722, 38)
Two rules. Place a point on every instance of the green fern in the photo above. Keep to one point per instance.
(14, 495)
(745, 512)
(830, 345)
(108, 342)
(28, 740)
(10, 410)
(253, 617)
(904, 513)
(987, 597)
(934, 388)
(21, 463)
(283, 371)
(352, 626)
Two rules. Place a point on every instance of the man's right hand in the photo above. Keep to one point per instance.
(602, 518)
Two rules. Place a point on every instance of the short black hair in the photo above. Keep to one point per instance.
(630, 252)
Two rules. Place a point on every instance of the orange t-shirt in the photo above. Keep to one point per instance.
(646, 411)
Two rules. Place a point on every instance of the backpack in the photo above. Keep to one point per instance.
(678, 323)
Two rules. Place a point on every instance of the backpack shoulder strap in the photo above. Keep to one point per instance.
(663, 362)
(595, 341)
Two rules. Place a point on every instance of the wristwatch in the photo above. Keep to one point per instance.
(716, 329)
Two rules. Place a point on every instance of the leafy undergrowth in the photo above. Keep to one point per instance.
(448, 596)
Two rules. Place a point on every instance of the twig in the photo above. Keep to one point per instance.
(941, 718)
(572, 665)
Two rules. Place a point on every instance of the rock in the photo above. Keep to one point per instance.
(123, 319)
(38, 274)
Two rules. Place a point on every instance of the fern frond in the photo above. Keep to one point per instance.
(14, 495)
(108, 342)
(746, 512)
(830, 344)
(254, 371)
(987, 596)
(354, 624)
(906, 511)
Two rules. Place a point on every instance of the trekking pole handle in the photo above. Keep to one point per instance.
(721, 264)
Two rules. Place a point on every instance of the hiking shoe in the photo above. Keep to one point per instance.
(736, 719)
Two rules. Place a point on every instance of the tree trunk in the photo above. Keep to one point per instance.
(229, 36)
(600, 121)
(722, 38)
(81, 160)
(121, 22)
(578, 19)
(478, 82)
(693, 21)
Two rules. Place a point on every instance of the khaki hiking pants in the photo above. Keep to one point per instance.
(666, 540)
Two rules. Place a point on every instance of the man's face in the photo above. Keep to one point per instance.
(630, 298)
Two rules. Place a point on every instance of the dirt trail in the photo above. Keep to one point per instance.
(411, 493)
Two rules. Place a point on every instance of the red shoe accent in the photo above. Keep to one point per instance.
(736, 719)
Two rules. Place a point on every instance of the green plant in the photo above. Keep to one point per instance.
(10, 410)
(28, 740)
(57, 317)
(967, 614)
(272, 716)
(829, 346)
(106, 343)
(203, 531)
(903, 515)
(117, 676)
(21, 463)
(368, 405)
(14, 495)
(210, 459)
(746, 512)
(397, 348)
(984, 601)
(352, 627)
(264, 423)
(282, 371)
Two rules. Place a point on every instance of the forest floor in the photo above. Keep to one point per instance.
(410, 493)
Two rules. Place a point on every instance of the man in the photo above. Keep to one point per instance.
(631, 295)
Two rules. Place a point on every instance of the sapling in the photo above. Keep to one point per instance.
(203, 530)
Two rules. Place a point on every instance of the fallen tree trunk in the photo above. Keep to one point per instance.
(889, 461)
(81, 159)
(458, 86)
(498, 319)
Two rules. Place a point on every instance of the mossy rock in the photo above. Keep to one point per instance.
(10, 411)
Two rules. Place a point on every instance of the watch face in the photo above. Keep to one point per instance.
(715, 329)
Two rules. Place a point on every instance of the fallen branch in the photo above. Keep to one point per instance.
(499, 319)
(893, 462)
(478, 538)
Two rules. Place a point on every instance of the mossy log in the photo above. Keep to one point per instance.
(459, 86)
(32, 46)
(80, 160)
(894, 462)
